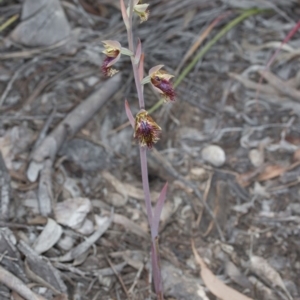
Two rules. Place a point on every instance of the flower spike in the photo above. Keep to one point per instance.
(160, 81)
(113, 53)
(145, 129)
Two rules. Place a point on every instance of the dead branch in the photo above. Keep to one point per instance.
(15, 284)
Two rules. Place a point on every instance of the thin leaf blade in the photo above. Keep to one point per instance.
(129, 114)
(157, 211)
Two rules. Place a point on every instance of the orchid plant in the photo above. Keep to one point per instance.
(146, 130)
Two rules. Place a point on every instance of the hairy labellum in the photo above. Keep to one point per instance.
(106, 69)
(146, 130)
(160, 81)
(112, 50)
(165, 86)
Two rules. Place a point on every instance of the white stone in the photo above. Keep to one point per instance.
(72, 212)
(256, 157)
(214, 155)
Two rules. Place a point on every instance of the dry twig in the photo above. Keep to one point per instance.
(15, 284)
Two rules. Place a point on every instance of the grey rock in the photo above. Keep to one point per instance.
(43, 23)
(214, 155)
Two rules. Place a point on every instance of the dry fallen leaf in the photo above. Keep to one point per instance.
(130, 226)
(48, 237)
(102, 225)
(271, 172)
(263, 270)
(296, 155)
(87, 227)
(6, 149)
(115, 199)
(262, 291)
(15, 296)
(178, 285)
(76, 209)
(215, 285)
(126, 189)
(237, 276)
(118, 185)
(246, 179)
(61, 297)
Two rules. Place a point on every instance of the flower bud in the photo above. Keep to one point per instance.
(142, 11)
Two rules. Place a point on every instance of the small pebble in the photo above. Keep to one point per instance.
(214, 155)
(198, 174)
(116, 199)
(256, 157)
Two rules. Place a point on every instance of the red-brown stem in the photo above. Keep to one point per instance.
(145, 180)
(143, 151)
(143, 157)
(134, 65)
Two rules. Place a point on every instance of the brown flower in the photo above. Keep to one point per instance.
(113, 54)
(160, 81)
(146, 130)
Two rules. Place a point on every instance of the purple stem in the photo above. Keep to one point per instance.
(143, 150)
(134, 65)
(144, 167)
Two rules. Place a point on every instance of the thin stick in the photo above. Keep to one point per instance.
(205, 195)
(13, 79)
(137, 276)
(10, 21)
(118, 276)
(15, 284)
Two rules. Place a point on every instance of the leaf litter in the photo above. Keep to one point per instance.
(76, 225)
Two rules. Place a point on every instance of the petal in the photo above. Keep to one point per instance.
(166, 76)
(164, 87)
(141, 8)
(113, 44)
(157, 89)
(146, 130)
(108, 71)
(114, 60)
(155, 69)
